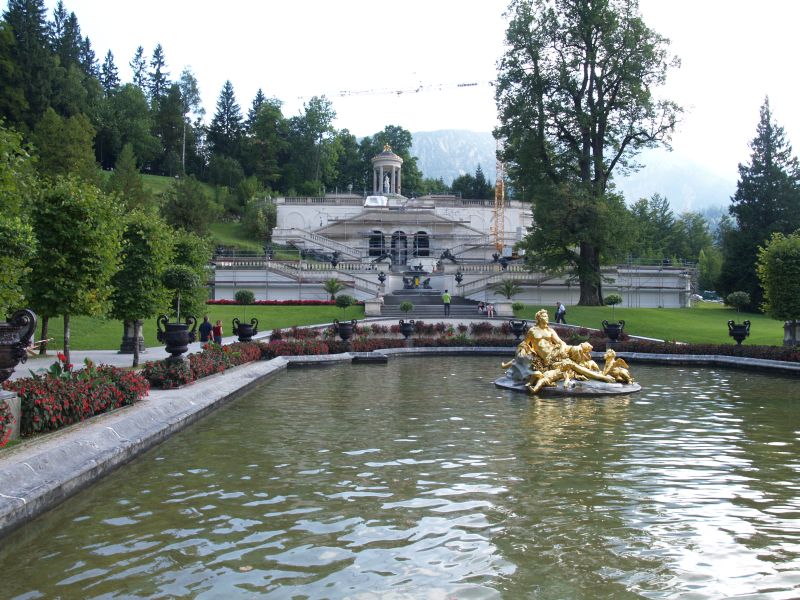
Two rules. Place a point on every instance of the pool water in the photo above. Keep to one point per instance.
(420, 479)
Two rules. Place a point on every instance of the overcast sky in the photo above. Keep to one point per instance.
(733, 53)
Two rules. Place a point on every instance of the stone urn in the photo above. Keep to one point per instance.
(406, 328)
(344, 328)
(15, 335)
(738, 331)
(613, 330)
(176, 336)
(518, 328)
(245, 331)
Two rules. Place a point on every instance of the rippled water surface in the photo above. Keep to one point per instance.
(420, 479)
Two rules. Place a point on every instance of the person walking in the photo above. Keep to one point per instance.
(446, 300)
(217, 332)
(205, 329)
(561, 313)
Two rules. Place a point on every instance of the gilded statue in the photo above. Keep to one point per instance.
(543, 359)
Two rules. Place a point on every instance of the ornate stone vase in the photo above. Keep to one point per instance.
(176, 336)
(15, 335)
(738, 331)
(613, 330)
(245, 331)
(518, 328)
(406, 328)
(344, 328)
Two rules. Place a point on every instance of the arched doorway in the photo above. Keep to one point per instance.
(422, 244)
(399, 248)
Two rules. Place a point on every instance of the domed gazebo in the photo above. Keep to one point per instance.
(386, 168)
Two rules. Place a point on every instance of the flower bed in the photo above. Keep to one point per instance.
(63, 397)
(279, 302)
(166, 374)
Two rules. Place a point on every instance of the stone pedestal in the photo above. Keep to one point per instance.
(503, 308)
(15, 404)
(127, 345)
(787, 332)
(372, 307)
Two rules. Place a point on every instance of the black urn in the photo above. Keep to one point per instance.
(344, 328)
(613, 330)
(518, 328)
(406, 328)
(245, 331)
(176, 336)
(15, 335)
(738, 331)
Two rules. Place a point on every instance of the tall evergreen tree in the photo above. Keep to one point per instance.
(13, 104)
(575, 96)
(88, 59)
(31, 53)
(138, 66)
(225, 131)
(258, 102)
(767, 201)
(109, 74)
(158, 77)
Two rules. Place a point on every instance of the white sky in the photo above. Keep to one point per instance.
(733, 53)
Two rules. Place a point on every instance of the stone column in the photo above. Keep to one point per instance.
(399, 177)
(374, 180)
(394, 179)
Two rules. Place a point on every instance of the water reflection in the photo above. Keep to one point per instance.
(420, 479)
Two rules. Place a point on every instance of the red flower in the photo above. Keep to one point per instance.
(62, 357)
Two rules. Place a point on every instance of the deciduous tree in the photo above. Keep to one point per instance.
(77, 229)
(779, 273)
(575, 96)
(138, 290)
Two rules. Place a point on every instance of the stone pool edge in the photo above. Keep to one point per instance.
(38, 476)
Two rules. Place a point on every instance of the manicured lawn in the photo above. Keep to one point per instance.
(88, 333)
(707, 323)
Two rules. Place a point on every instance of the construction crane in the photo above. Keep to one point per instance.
(498, 227)
(433, 87)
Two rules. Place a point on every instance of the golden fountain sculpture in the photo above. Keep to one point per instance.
(545, 363)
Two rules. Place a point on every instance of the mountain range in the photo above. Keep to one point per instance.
(687, 185)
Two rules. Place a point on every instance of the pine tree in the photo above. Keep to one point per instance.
(109, 75)
(158, 77)
(258, 102)
(31, 53)
(767, 201)
(225, 131)
(88, 59)
(138, 66)
(126, 182)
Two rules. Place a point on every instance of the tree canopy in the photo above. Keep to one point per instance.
(575, 97)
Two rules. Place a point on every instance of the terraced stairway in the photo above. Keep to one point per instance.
(427, 306)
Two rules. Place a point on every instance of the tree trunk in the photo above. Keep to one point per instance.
(66, 338)
(136, 329)
(589, 275)
(43, 345)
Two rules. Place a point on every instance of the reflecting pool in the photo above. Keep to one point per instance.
(420, 479)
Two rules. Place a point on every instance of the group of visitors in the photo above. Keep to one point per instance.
(486, 309)
(209, 332)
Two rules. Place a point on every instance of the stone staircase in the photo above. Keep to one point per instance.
(427, 306)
